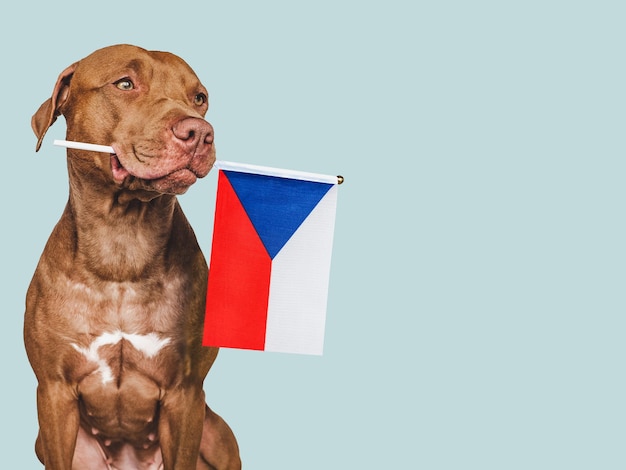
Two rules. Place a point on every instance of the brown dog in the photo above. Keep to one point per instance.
(114, 312)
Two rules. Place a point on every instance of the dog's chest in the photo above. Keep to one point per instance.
(128, 350)
(127, 328)
(122, 383)
(110, 353)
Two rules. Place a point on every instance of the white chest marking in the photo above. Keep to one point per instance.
(149, 345)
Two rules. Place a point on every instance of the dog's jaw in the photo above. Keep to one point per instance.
(174, 180)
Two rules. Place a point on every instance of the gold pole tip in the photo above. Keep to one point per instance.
(339, 179)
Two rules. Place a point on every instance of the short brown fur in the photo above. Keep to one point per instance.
(124, 261)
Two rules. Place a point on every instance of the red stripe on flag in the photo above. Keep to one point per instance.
(239, 277)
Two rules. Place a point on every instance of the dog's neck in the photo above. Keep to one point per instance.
(120, 234)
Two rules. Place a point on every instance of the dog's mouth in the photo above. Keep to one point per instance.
(119, 172)
(172, 181)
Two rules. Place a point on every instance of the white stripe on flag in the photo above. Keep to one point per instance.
(299, 284)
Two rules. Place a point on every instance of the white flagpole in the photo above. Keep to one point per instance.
(84, 146)
(223, 165)
(269, 171)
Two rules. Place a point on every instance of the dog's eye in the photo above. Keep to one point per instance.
(199, 99)
(125, 84)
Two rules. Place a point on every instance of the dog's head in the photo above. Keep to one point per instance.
(148, 105)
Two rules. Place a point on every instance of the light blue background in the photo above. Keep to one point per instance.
(476, 309)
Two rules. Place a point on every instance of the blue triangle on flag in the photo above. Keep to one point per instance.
(276, 206)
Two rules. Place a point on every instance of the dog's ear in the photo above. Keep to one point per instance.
(50, 109)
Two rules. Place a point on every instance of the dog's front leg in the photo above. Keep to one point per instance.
(180, 427)
(57, 409)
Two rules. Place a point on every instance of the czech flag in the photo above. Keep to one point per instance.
(270, 259)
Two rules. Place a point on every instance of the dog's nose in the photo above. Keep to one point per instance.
(193, 133)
